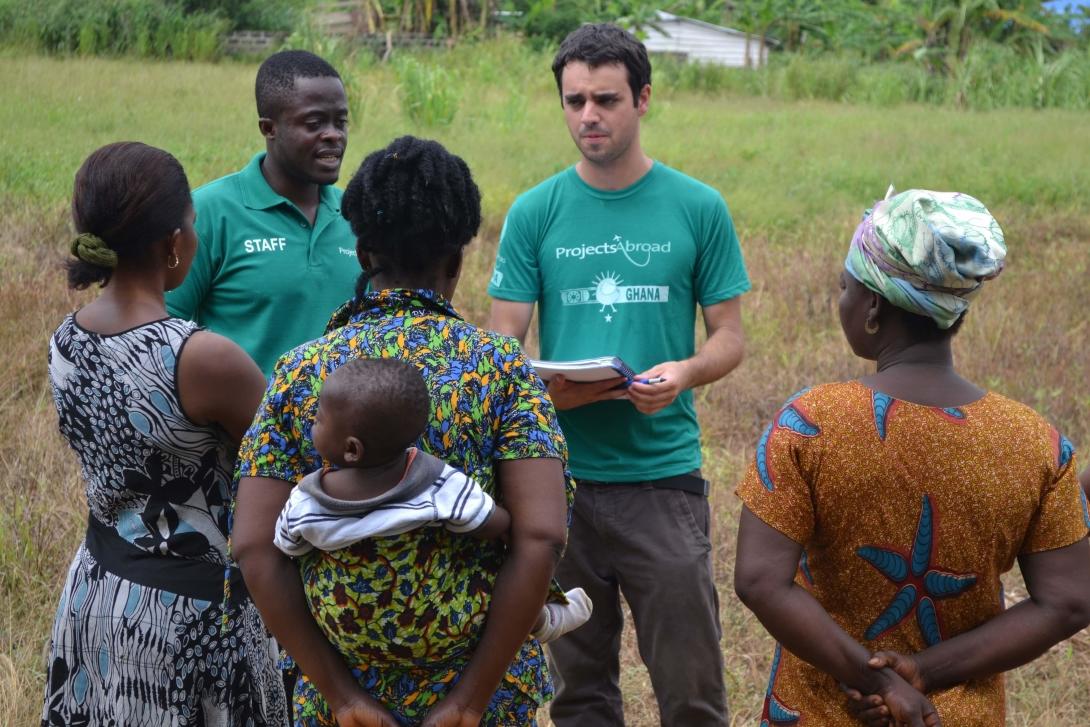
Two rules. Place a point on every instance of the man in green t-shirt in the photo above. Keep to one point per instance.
(617, 252)
(275, 257)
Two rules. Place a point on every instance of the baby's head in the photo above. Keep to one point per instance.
(369, 411)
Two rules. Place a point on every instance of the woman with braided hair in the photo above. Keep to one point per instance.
(153, 407)
(407, 613)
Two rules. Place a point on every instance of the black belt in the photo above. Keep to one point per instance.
(689, 482)
(191, 578)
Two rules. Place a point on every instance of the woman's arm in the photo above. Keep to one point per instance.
(1058, 606)
(764, 580)
(533, 492)
(218, 383)
(274, 583)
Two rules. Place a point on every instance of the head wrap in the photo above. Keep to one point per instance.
(927, 252)
(90, 248)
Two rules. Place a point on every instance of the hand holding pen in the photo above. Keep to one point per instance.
(657, 387)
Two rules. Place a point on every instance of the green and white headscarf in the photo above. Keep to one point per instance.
(927, 252)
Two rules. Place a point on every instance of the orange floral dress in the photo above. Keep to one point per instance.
(907, 514)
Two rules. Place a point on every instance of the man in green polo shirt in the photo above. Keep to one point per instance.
(275, 256)
(617, 252)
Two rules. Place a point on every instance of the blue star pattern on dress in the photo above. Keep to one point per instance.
(883, 405)
(792, 418)
(920, 582)
(804, 568)
(1064, 449)
(775, 712)
(952, 414)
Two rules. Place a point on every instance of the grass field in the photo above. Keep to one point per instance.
(797, 177)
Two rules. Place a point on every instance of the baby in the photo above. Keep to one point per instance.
(384, 486)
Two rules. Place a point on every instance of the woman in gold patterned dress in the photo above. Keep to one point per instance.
(879, 513)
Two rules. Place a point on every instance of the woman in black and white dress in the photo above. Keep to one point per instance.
(146, 633)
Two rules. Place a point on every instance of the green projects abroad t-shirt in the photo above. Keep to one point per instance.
(263, 276)
(619, 273)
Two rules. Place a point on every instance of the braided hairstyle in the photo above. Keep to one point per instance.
(127, 195)
(412, 204)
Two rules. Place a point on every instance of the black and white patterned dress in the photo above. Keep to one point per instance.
(140, 636)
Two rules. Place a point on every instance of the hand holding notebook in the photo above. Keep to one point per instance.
(588, 370)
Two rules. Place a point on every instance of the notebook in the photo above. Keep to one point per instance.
(584, 370)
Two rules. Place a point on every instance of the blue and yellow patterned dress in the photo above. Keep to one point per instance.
(408, 611)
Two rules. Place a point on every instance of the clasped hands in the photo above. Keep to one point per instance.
(365, 711)
(900, 702)
(671, 378)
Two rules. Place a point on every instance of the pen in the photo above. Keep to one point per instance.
(653, 380)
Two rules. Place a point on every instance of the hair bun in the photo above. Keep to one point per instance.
(90, 248)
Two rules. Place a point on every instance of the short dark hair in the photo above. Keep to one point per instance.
(412, 204)
(276, 78)
(130, 195)
(384, 402)
(600, 44)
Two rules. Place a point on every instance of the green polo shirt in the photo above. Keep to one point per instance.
(263, 276)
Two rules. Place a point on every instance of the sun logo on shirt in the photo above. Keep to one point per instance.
(607, 290)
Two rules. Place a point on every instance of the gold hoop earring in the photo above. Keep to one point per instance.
(173, 261)
(870, 326)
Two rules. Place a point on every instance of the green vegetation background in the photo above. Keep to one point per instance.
(796, 174)
(978, 54)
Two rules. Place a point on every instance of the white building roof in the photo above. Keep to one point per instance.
(701, 41)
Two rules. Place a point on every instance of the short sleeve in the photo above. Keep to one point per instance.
(720, 268)
(778, 485)
(277, 444)
(185, 300)
(462, 504)
(528, 428)
(1061, 518)
(286, 536)
(516, 275)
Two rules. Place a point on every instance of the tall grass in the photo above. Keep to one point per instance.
(143, 28)
(796, 174)
(429, 93)
(992, 76)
